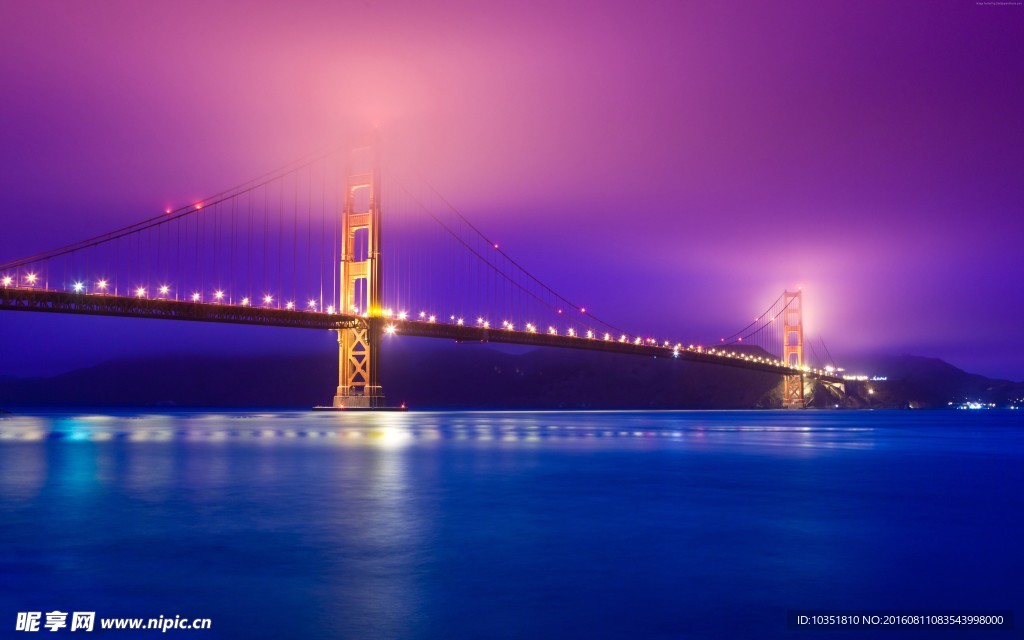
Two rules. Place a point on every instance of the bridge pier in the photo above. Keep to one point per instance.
(793, 392)
(358, 353)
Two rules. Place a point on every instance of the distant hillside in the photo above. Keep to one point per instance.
(468, 375)
(930, 382)
(478, 376)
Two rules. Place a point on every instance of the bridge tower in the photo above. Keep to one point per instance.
(793, 348)
(359, 344)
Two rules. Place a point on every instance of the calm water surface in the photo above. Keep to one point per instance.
(510, 525)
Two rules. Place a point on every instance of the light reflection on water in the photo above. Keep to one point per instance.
(404, 429)
(508, 524)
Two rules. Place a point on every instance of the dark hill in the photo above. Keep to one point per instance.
(468, 375)
(442, 375)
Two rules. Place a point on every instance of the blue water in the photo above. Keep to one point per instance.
(510, 525)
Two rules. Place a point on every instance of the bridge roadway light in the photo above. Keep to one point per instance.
(164, 289)
(312, 304)
(402, 315)
(196, 297)
(218, 295)
(101, 285)
(31, 278)
(289, 305)
(267, 299)
(140, 292)
(78, 286)
(7, 281)
(245, 302)
(390, 329)
(459, 322)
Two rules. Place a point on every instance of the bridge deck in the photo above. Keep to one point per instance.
(41, 300)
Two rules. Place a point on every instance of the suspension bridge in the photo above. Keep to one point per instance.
(333, 242)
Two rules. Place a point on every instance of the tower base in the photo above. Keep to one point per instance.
(371, 397)
(350, 408)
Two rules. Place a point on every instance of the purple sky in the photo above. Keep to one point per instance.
(701, 156)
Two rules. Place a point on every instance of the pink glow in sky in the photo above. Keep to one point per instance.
(701, 155)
